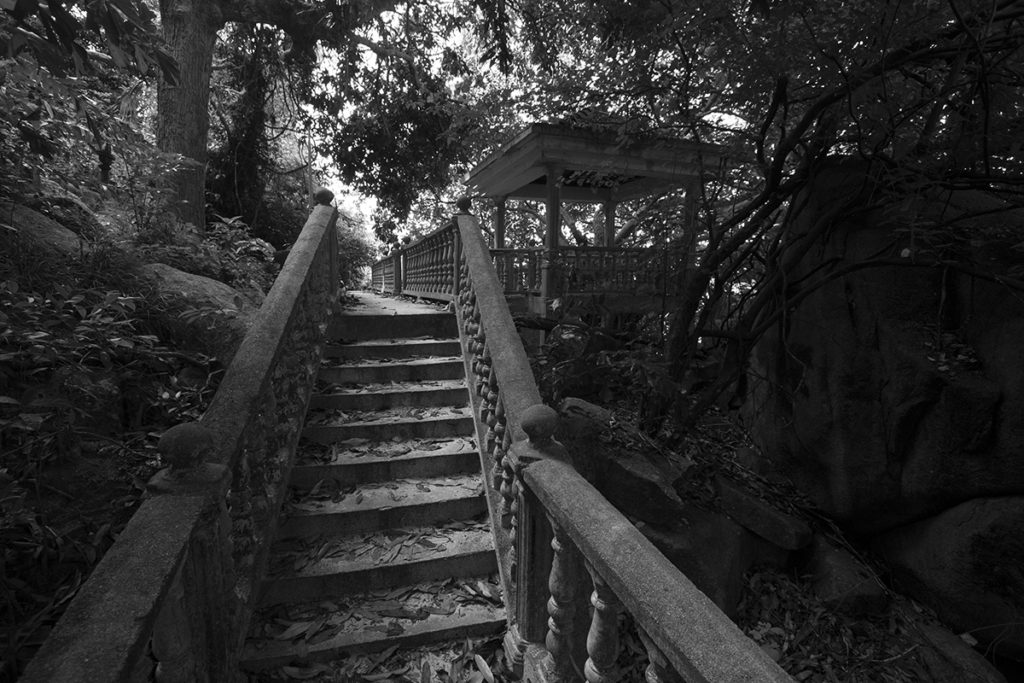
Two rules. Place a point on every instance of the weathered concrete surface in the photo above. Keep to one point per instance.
(106, 628)
(374, 317)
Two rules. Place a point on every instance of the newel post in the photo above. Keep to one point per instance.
(399, 270)
(324, 197)
(194, 634)
(464, 205)
(531, 539)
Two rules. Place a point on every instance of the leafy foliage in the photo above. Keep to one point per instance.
(85, 390)
(224, 252)
(926, 95)
(60, 32)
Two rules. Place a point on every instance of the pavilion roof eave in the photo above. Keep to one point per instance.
(520, 167)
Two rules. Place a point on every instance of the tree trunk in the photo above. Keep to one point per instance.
(183, 121)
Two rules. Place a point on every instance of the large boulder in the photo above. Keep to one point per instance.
(20, 224)
(968, 564)
(893, 392)
(202, 314)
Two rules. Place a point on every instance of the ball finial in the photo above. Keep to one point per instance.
(464, 203)
(185, 446)
(539, 422)
(323, 196)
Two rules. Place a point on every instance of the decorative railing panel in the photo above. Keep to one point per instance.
(584, 271)
(386, 274)
(518, 270)
(429, 265)
(610, 270)
(169, 601)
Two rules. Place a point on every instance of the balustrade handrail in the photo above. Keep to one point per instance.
(552, 528)
(170, 600)
(687, 629)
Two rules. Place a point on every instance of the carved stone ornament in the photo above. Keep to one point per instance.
(186, 448)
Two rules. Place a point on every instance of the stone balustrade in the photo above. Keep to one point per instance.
(169, 601)
(555, 533)
(386, 275)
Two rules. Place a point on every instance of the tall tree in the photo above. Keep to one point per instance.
(399, 35)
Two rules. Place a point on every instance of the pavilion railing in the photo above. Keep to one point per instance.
(171, 598)
(518, 270)
(554, 532)
(585, 271)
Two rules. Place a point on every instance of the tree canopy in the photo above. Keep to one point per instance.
(399, 98)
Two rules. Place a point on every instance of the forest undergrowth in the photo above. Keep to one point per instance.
(88, 382)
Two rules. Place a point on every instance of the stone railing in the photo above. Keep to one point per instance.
(554, 533)
(518, 270)
(585, 270)
(170, 600)
(386, 274)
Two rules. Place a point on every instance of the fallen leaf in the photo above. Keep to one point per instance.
(303, 673)
(296, 630)
(484, 668)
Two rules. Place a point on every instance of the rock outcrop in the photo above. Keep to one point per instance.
(968, 564)
(893, 395)
(199, 313)
(20, 224)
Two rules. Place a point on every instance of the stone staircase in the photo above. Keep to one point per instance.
(385, 545)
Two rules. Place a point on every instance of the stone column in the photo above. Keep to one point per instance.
(609, 222)
(500, 217)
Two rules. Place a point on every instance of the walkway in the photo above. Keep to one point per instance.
(385, 545)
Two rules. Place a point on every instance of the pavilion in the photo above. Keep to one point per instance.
(560, 163)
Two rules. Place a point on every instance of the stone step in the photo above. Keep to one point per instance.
(405, 617)
(304, 570)
(453, 422)
(367, 327)
(363, 372)
(380, 396)
(394, 348)
(386, 505)
(361, 461)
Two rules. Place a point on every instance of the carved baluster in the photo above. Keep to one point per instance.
(502, 439)
(658, 670)
(603, 638)
(172, 645)
(484, 370)
(440, 251)
(492, 410)
(447, 261)
(561, 607)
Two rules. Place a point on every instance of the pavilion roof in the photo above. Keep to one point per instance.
(594, 166)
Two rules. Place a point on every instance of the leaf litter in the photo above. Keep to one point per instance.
(390, 612)
(338, 417)
(312, 453)
(467, 661)
(379, 548)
